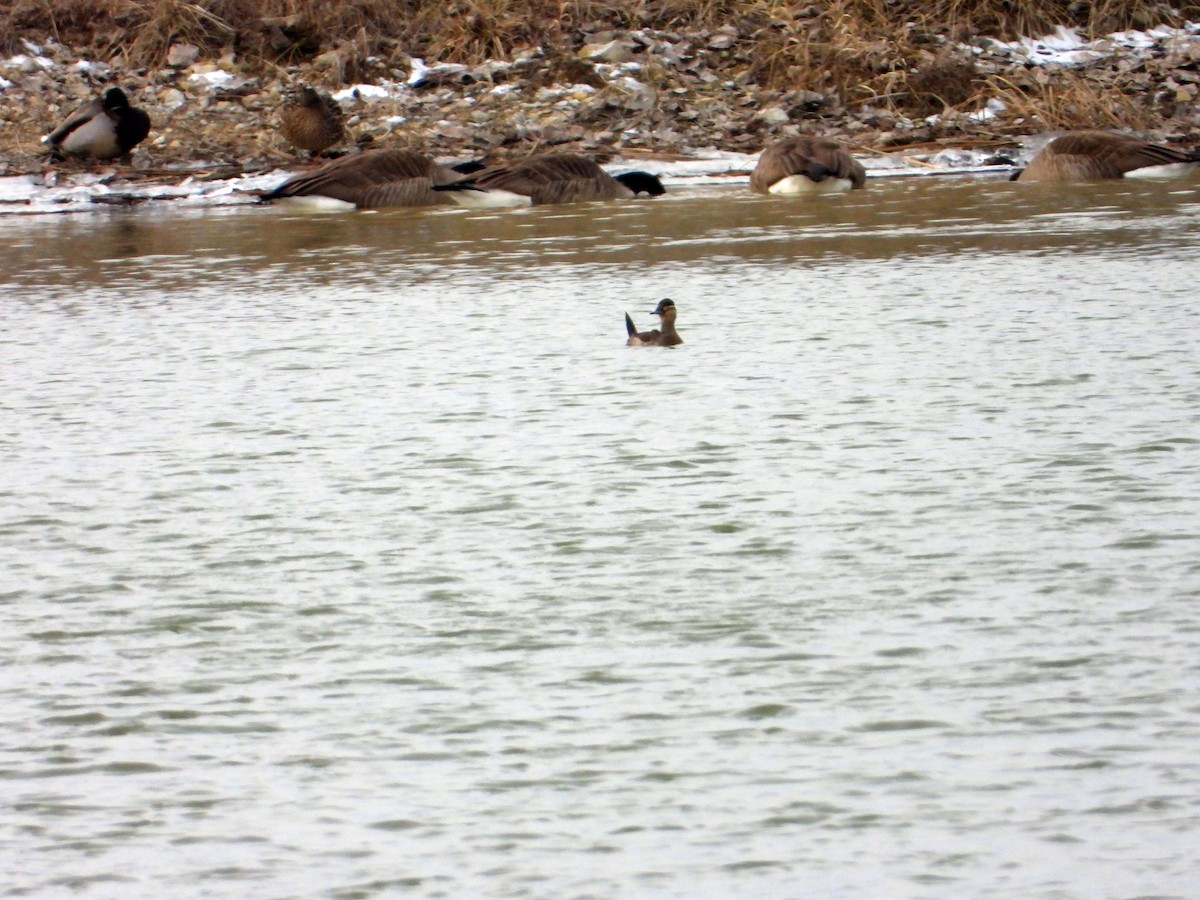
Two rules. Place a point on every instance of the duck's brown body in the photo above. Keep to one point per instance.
(1098, 155)
(310, 120)
(666, 337)
(804, 165)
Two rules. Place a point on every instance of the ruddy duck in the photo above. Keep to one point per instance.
(668, 337)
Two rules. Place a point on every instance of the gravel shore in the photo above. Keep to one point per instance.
(625, 95)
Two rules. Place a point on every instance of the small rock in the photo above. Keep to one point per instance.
(632, 95)
(437, 75)
(611, 52)
(774, 116)
(330, 59)
(180, 56)
(172, 98)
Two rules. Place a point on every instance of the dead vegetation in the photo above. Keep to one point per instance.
(723, 73)
(839, 41)
(1074, 100)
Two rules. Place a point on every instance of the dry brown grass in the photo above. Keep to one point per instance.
(1073, 100)
(469, 30)
(881, 51)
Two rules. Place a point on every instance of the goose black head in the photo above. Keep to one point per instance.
(642, 183)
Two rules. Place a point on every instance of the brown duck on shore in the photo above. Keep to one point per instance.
(552, 178)
(375, 179)
(104, 128)
(667, 337)
(1098, 155)
(311, 120)
(806, 165)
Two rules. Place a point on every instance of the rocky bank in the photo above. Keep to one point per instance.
(620, 94)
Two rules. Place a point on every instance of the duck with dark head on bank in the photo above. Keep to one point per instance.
(806, 165)
(667, 337)
(1097, 156)
(375, 179)
(311, 120)
(104, 128)
(552, 178)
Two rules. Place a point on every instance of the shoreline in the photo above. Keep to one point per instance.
(202, 188)
(641, 97)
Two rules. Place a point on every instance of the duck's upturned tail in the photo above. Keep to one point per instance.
(629, 326)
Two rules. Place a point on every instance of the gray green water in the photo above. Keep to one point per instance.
(355, 556)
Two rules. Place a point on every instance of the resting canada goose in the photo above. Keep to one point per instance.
(374, 179)
(806, 165)
(310, 120)
(668, 337)
(1096, 155)
(553, 178)
(104, 128)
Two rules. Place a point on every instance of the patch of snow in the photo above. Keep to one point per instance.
(990, 110)
(1066, 48)
(381, 91)
(26, 63)
(417, 71)
(611, 73)
(953, 158)
(438, 73)
(1144, 40)
(215, 78)
(19, 188)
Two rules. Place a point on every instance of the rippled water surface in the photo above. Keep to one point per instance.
(355, 556)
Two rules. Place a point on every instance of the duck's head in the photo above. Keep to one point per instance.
(665, 306)
(302, 95)
(114, 98)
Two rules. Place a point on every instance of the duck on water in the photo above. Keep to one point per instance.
(666, 337)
